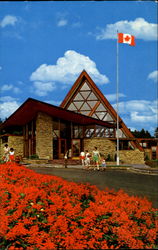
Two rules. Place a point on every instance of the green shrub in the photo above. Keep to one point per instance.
(146, 158)
(109, 158)
(34, 157)
(152, 163)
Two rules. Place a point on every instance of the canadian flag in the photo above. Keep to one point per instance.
(126, 38)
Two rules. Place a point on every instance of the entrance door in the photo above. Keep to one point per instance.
(62, 148)
(75, 147)
(55, 148)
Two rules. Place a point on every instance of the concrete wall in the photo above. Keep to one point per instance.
(106, 147)
(44, 136)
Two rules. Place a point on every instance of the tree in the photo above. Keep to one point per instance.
(141, 134)
(156, 133)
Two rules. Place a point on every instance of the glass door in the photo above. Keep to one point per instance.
(62, 148)
(76, 147)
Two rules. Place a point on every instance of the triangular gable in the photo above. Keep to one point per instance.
(84, 97)
(31, 107)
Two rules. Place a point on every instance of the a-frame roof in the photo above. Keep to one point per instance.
(30, 108)
(85, 97)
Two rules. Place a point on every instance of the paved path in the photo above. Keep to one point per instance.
(140, 168)
(139, 165)
(132, 183)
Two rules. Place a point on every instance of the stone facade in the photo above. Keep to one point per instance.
(15, 142)
(44, 144)
(131, 156)
(107, 147)
(44, 137)
(104, 146)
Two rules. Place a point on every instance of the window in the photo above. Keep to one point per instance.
(4, 139)
(77, 131)
(89, 131)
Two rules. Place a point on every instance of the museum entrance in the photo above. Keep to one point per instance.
(62, 148)
(75, 147)
(59, 148)
(67, 138)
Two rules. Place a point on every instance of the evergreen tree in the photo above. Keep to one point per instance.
(156, 133)
(141, 134)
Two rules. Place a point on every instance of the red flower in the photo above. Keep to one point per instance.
(47, 212)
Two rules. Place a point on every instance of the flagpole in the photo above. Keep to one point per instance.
(117, 101)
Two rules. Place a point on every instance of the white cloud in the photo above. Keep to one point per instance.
(8, 20)
(139, 114)
(76, 24)
(66, 18)
(7, 108)
(16, 90)
(112, 97)
(138, 117)
(138, 111)
(43, 88)
(134, 105)
(62, 22)
(7, 99)
(8, 87)
(140, 28)
(153, 76)
(67, 69)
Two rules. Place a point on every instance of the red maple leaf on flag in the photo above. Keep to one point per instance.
(126, 38)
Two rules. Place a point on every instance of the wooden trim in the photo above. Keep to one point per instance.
(84, 76)
(94, 108)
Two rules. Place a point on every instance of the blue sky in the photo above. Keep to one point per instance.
(45, 45)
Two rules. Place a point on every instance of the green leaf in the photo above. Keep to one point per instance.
(11, 211)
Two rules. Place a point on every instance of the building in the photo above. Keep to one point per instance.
(84, 119)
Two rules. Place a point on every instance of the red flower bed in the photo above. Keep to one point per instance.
(46, 212)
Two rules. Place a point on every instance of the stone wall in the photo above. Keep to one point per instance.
(104, 146)
(107, 147)
(44, 137)
(15, 142)
(132, 156)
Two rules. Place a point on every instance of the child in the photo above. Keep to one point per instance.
(82, 157)
(103, 164)
(11, 155)
(87, 159)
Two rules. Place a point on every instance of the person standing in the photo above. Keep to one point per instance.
(87, 159)
(82, 157)
(65, 159)
(11, 155)
(103, 164)
(95, 157)
(6, 153)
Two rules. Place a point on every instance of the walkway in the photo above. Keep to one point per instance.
(140, 168)
(132, 183)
